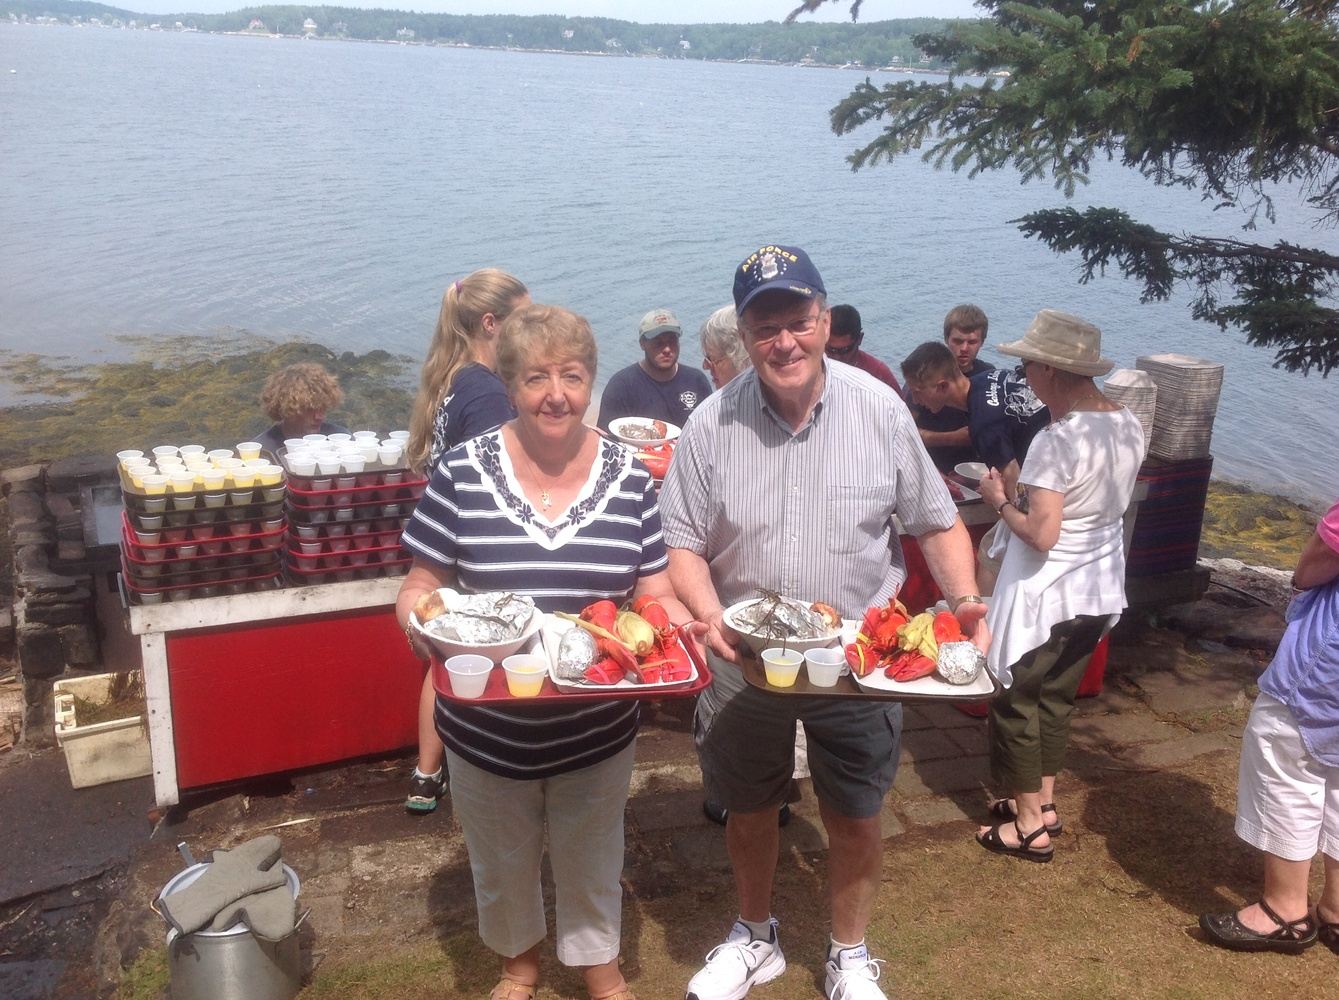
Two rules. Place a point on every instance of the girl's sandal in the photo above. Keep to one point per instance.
(510, 989)
(623, 994)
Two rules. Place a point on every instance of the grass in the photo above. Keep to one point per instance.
(1115, 915)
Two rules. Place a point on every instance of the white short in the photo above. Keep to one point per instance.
(504, 823)
(1287, 801)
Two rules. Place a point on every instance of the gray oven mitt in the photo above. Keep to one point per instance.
(248, 868)
(271, 914)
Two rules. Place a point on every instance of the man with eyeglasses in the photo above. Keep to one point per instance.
(656, 387)
(844, 341)
(788, 480)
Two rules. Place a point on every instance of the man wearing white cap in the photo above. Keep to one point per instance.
(657, 387)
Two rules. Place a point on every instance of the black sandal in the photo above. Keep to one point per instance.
(1000, 809)
(1290, 937)
(993, 842)
(1327, 933)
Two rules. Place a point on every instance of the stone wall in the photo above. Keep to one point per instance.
(55, 621)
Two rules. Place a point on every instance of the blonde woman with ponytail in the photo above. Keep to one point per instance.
(459, 397)
(459, 393)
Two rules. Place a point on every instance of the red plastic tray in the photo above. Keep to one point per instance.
(496, 690)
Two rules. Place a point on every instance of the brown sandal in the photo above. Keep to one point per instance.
(507, 988)
(623, 994)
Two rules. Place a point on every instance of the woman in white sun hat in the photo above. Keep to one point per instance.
(1062, 582)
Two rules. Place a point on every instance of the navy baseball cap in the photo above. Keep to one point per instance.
(786, 268)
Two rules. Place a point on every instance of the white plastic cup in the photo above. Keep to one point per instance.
(344, 514)
(393, 478)
(341, 544)
(314, 438)
(292, 444)
(825, 665)
(389, 455)
(121, 456)
(217, 453)
(244, 478)
(310, 548)
(167, 463)
(525, 674)
(215, 499)
(354, 464)
(468, 673)
(337, 529)
(360, 435)
(155, 504)
(308, 531)
(164, 450)
(398, 435)
(327, 466)
(187, 551)
(339, 438)
(303, 465)
(270, 475)
(781, 666)
(147, 537)
(255, 463)
(248, 449)
(150, 522)
(214, 478)
(191, 449)
(321, 484)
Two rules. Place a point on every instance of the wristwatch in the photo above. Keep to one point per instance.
(967, 599)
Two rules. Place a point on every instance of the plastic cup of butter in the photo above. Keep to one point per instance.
(525, 674)
(782, 666)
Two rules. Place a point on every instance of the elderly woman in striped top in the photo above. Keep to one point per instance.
(543, 506)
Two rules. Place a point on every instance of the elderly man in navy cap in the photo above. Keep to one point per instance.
(767, 491)
(657, 386)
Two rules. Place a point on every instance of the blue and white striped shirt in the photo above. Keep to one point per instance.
(808, 513)
(475, 521)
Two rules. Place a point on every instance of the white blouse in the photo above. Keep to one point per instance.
(1093, 458)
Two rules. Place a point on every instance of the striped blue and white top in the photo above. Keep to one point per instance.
(475, 523)
(807, 513)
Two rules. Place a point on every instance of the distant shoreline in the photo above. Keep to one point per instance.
(810, 64)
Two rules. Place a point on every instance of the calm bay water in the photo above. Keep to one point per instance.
(155, 183)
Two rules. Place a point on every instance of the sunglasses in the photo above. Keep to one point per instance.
(842, 352)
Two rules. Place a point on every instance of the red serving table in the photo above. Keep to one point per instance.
(254, 684)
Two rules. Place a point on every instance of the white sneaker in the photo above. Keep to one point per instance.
(736, 965)
(853, 975)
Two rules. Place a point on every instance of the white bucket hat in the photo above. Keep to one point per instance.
(1062, 341)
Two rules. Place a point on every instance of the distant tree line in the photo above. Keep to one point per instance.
(874, 44)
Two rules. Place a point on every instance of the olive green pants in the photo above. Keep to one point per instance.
(1029, 721)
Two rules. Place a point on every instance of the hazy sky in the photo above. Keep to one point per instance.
(646, 11)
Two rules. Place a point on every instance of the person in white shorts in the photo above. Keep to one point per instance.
(1288, 787)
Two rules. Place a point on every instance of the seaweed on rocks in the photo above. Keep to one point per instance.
(180, 388)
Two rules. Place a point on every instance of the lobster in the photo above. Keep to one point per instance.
(656, 459)
(670, 660)
(641, 644)
(876, 643)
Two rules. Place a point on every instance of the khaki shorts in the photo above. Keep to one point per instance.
(746, 746)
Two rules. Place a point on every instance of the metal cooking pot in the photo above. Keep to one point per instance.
(232, 964)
